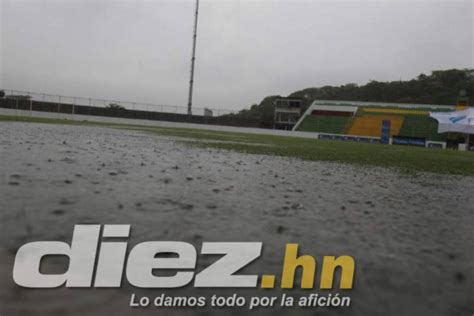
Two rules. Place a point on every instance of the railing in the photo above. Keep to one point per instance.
(43, 102)
(103, 103)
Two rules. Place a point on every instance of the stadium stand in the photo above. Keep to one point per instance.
(324, 124)
(395, 111)
(371, 125)
(365, 119)
(421, 126)
(326, 119)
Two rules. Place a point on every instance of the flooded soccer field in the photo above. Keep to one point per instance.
(409, 233)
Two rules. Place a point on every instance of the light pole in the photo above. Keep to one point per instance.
(191, 80)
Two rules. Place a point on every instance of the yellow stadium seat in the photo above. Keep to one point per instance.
(371, 125)
(395, 111)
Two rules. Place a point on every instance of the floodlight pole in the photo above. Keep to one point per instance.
(193, 58)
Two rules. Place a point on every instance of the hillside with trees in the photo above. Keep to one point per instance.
(439, 87)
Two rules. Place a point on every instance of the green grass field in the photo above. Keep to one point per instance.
(401, 158)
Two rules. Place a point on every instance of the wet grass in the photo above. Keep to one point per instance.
(402, 158)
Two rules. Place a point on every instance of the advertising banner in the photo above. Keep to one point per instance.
(458, 121)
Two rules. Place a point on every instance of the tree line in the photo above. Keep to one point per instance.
(440, 87)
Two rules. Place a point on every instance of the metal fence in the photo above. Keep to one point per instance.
(43, 102)
(103, 103)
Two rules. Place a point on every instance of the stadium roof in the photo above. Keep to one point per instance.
(334, 108)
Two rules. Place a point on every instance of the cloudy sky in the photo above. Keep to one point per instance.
(140, 50)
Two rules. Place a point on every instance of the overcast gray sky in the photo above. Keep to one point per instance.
(140, 50)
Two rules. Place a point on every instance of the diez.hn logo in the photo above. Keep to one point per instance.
(104, 266)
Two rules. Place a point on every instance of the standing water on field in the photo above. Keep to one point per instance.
(410, 235)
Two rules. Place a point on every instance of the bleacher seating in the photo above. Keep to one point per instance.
(421, 126)
(324, 124)
(371, 125)
(367, 121)
(399, 111)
